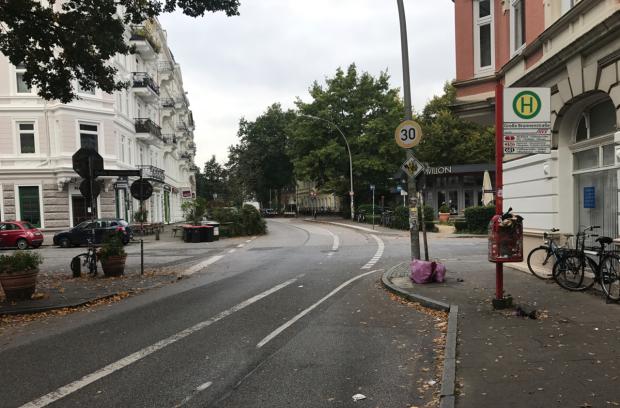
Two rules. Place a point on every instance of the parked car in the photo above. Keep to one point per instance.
(20, 234)
(102, 227)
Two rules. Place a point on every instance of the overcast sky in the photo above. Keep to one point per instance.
(236, 67)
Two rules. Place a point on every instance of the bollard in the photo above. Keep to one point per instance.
(157, 234)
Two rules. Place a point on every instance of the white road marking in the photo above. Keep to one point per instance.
(248, 241)
(240, 245)
(377, 255)
(140, 354)
(202, 265)
(336, 238)
(352, 226)
(288, 324)
(198, 389)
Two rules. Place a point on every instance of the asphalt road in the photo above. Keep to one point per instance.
(295, 318)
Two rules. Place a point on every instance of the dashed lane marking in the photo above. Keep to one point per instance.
(378, 254)
(70, 388)
(198, 389)
(200, 266)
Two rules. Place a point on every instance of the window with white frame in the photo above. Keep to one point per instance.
(129, 153)
(122, 149)
(483, 36)
(517, 25)
(89, 136)
(26, 137)
(567, 5)
(21, 85)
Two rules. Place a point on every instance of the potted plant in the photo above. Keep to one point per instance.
(112, 256)
(444, 213)
(18, 274)
(141, 215)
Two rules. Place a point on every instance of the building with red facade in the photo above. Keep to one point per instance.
(573, 48)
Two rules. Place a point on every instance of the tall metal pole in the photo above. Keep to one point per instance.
(351, 192)
(411, 188)
(499, 196)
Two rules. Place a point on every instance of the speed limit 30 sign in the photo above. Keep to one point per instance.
(408, 134)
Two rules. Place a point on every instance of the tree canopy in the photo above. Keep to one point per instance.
(367, 111)
(449, 139)
(64, 41)
(260, 163)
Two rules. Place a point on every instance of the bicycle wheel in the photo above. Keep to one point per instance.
(610, 276)
(568, 272)
(538, 262)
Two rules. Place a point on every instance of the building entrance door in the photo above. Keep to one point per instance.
(80, 209)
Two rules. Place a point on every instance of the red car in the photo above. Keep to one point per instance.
(20, 234)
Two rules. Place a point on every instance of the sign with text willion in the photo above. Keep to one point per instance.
(527, 120)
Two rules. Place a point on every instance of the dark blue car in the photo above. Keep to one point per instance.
(101, 228)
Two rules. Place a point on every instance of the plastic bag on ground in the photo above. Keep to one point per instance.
(427, 271)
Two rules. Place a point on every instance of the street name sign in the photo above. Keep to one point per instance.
(412, 167)
(527, 121)
(408, 134)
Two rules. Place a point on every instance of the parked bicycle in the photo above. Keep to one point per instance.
(87, 259)
(539, 257)
(585, 266)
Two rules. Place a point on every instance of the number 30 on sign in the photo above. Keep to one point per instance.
(408, 134)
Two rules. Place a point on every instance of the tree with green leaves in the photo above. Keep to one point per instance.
(212, 182)
(59, 42)
(367, 110)
(449, 139)
(260, 165)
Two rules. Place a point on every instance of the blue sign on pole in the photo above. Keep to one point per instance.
(589, 197)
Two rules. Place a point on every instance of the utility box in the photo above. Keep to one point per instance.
(505, 239)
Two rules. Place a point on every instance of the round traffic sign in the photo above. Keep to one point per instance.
(141, 190)
(85, 189)
(408, 134)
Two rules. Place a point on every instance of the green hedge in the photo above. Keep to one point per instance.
(401, 218)
(478, 218)
(235, 222)
(460, 225)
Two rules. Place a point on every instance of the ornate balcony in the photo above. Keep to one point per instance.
(167, 103)
(152, 173)
(145, 87)
(143, 39)
(148, 131)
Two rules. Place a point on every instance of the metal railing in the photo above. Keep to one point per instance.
(167, 103)
(145, 125)
(144, 80)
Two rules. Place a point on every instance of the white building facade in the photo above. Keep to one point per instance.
(148, 126)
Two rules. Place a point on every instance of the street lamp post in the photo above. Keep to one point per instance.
(351, 193)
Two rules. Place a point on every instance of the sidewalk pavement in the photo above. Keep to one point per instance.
(568, 357)
(164, 262)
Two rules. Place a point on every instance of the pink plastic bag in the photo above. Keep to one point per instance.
(427, 272)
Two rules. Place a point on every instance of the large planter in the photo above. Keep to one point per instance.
(444, 217)
(19, 286)
(114, 265)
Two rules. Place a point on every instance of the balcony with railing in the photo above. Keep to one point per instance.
(152, 173)
(167, 103)
(186, 156)
(143, 39)
(145, 86)
(148, 131)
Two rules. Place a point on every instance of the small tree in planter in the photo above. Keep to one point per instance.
(194, 210)
(18, 274)
(112, 256)
(141, 215)
(444, 213)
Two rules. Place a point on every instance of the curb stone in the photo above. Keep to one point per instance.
(447, 396)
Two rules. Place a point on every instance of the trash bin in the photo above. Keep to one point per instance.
(187, 233)
(216, 229)
(195, 232)
(206, 233)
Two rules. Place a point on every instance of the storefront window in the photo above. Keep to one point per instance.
(469, 198)
(454, 201)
